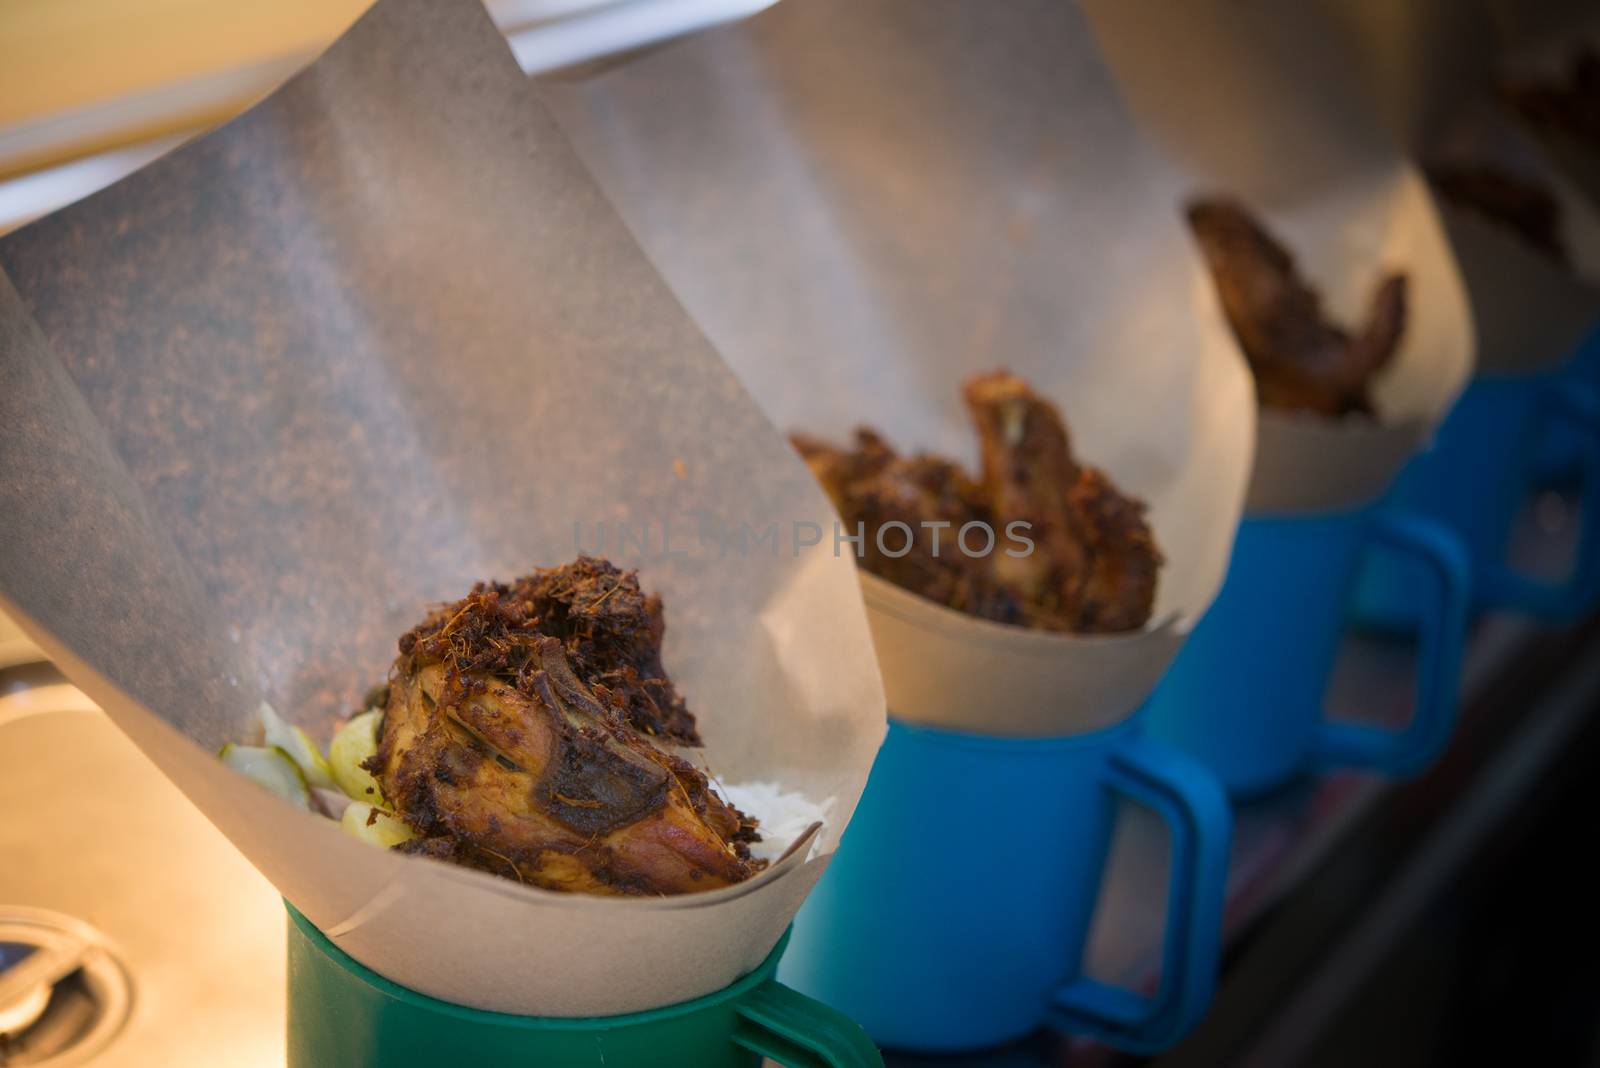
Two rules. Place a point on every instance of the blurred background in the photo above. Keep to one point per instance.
(93, 89)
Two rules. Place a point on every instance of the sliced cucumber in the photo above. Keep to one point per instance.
(297, 743)
(355, 742)
(271, 767)
(376, 826)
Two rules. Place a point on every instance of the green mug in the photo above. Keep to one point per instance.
(344, 1015)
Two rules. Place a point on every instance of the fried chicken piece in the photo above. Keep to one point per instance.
(1093, 564)
(502, 758)
(872, 486)
(1570, 106)
(1027, 471)
(613, 633)
(838, 469)
(1300, 360)
(1502, 197)
(1119, 592)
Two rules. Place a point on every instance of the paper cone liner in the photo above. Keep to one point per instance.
(266, 401)
(1430, 65)
(1261, 101)
(1538, 41)
(863, 204)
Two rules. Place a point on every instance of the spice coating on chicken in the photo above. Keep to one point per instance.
(1092, 565)
(500, 751)
(1300, 360)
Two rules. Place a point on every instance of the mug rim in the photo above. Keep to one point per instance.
(320, 942)
(1021, 743)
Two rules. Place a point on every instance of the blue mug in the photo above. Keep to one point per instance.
(1246, 693)
(955, 913)
(1560, 462)
(1489, 457)
(1584, 363)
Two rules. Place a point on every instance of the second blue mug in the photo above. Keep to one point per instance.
(1560, 458)
(1490, 456)
(954, 915)
(1246, 694)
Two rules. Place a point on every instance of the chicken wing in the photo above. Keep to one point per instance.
(1092, 565)
(1300, 360)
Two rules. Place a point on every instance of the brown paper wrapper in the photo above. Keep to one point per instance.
(1260, 99)
(1539, 41)
(265, 401)
(1432, 66)
(863, 204)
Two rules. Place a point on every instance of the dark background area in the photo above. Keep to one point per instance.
(1453, 920)
(1459, 921)
(1505, 967)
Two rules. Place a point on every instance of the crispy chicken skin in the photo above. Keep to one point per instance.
(612, 631)
(1093, 564)
(1501, 197)
(1301, 361)
(514, 741)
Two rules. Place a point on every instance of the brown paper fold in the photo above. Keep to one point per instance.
(1431, 66)
(1262, 100)
(962, 673)
(865, 203)
(265, 401)
(1538, 41)
(1529, 312)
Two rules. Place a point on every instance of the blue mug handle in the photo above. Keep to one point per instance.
(1442, 642)
(1191, 802)
(1577, 405)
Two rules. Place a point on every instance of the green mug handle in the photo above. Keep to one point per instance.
(801, 1032)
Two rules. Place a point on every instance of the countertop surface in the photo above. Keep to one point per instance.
(92, 830)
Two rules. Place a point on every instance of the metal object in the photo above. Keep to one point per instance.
(154, 941)
(64, 997)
